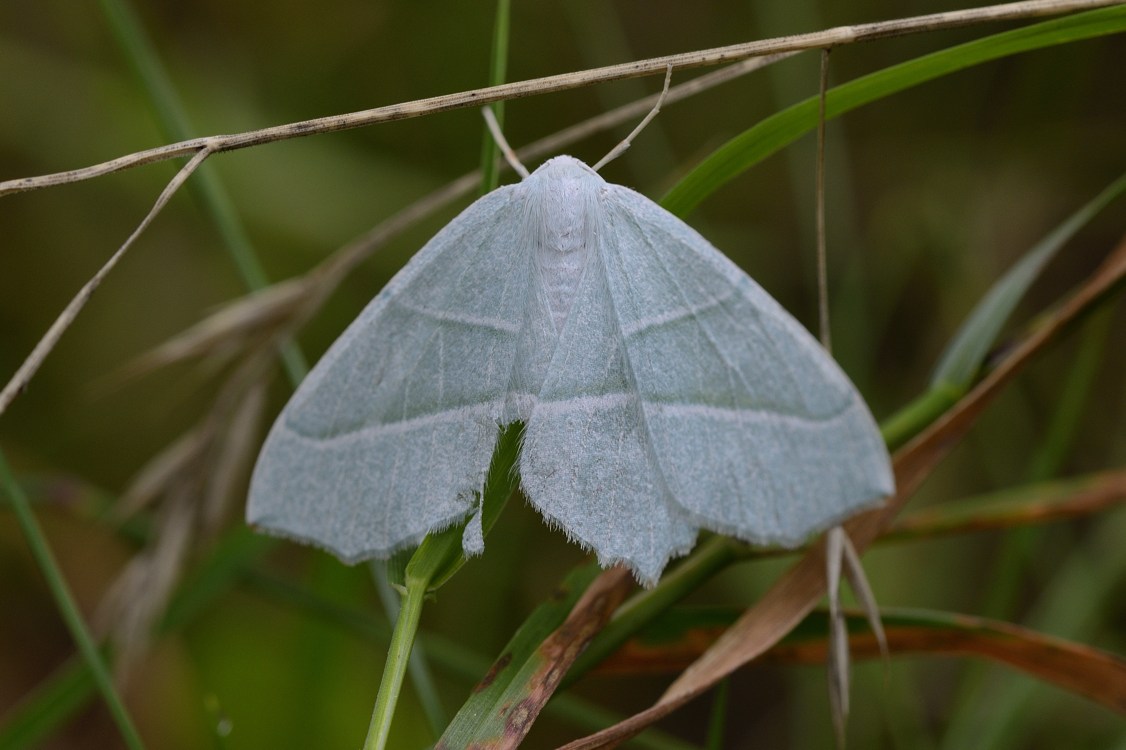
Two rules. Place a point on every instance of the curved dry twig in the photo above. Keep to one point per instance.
(520, 89)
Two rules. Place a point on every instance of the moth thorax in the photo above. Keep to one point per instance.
(566, 242)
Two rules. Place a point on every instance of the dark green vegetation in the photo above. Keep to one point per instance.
(934, 192)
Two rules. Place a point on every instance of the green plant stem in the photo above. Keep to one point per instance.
(717, 722)
(398, 655)
(916, 415)
(438, 557)
(41, 551)
(455, 659)
(498, 71)
(421, 678)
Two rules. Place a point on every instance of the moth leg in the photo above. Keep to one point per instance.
(621, 147)
(502, 143)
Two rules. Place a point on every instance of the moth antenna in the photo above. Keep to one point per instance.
(502, 144)
(621, 147)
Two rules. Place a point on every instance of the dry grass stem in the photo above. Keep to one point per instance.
(288, 304)
(478, 97)
(193, 481)
(1098, 493)
(29, 367)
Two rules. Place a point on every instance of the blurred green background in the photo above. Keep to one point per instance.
(931, 195)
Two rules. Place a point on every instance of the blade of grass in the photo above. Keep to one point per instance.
(52, 704)
(45, 559)
(1040, 502)
(485, 698)
(964, 355)
(718, 719)
(913, 417)
(779, 130)
(498, 66)
(967, 350)
(503, 718)
(1073, 398)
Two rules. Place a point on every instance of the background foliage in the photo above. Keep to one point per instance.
(932, 194)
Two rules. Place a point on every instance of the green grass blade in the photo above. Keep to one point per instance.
(718, 719)
(783, 128)
(498, 71)
(1021, 506)
(54, 702)
(959, 364)
(45, 559)
(477, 717)
(920, 412)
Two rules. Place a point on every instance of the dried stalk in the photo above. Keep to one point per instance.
(838, 36)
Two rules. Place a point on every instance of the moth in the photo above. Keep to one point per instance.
(661, 389)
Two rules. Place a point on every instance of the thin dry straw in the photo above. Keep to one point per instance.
(478, 97)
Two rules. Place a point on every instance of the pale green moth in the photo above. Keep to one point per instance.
(663, 391)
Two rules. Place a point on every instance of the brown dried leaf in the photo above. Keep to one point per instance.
(1084, 670)
(1096, 674)
(530, 690)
